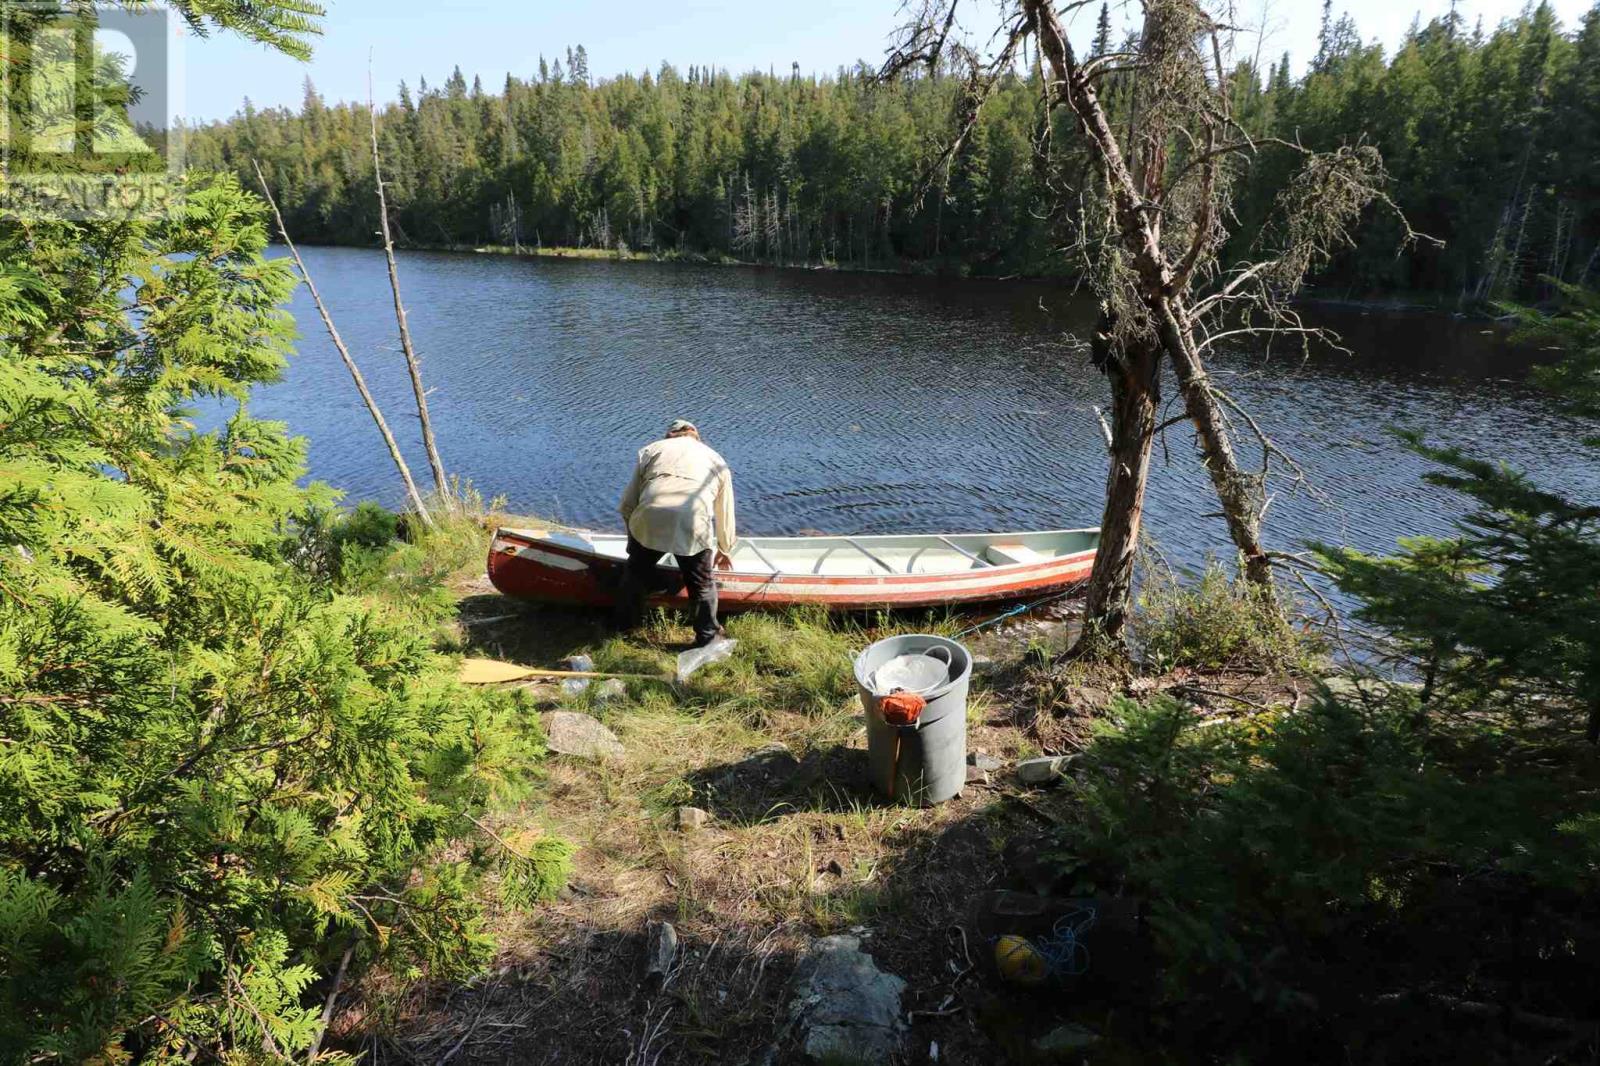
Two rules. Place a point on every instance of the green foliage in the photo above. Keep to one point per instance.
(1300, 866)
(1216, 622)
(287, 26)
(1507, 606)
(1574, 331)
(221, 763)
(1490, 141)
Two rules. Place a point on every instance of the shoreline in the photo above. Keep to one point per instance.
(1404, 302)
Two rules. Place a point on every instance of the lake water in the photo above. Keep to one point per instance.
(853, 403)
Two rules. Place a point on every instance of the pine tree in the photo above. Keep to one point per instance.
(1102, 32)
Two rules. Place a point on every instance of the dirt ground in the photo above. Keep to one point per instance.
(797, 846)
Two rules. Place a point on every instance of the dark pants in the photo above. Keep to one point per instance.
(641, 577)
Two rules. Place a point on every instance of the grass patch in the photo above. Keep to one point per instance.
(1218, 622)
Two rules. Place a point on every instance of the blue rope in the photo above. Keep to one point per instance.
(1065, 953)
(1015, 611)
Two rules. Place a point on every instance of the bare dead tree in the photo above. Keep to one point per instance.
(344, 354)
(440, 481)
(1150, 214)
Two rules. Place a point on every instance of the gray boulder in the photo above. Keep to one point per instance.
(581, 736)
(847, 1010)
(611, 690)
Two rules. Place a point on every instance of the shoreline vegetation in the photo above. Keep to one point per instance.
(1395, 302)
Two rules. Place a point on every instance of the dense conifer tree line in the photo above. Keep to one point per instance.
(1490, 134)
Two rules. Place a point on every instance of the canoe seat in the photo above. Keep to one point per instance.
(1009, 554)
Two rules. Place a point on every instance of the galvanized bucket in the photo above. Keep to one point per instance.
(926, 762)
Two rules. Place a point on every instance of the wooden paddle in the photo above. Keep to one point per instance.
(494, 672)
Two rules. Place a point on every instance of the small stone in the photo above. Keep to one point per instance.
(581, 736)
(661, 950)
(976, 776)
(984, 761)
(1046, 770)
(574, 686)
(689, 819)
(1065, 1042)
(579, 663)
(984, 666)
(611, 690)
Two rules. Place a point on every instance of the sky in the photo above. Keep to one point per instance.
(411, 38)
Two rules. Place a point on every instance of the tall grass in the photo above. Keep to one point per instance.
(1218, 622)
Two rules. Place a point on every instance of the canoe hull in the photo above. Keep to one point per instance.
(547, 570)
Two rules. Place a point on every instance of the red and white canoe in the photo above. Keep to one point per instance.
(840, 573)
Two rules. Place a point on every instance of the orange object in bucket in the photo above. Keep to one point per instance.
(901, 707)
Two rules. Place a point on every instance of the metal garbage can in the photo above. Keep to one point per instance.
(926, 762)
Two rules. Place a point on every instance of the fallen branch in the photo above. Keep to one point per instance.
(328, 1004)
(1475, 1009)
(1198, 691)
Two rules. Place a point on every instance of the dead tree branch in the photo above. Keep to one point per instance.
(344, 354)
(441, 484)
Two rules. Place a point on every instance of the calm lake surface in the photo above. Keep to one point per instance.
(855, 403)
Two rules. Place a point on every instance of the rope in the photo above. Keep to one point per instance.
(1065, 953)
(1023, 609)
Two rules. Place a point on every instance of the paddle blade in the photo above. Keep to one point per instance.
(490, 672)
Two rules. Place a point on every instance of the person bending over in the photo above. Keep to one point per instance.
(678, 502)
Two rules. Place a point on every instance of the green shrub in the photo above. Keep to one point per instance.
(1214, 623)
(219, 768)
(1300, 866)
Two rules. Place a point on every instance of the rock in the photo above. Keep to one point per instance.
(611, 690)
(661, 950)
(1086, 699)
(847, 1009)
(688, 819)
(984, 761)
(580, 735)
(976, 776)
(581, 663)
(984, 666)
(1065, 1043)
(574, 686)
(1046, 770)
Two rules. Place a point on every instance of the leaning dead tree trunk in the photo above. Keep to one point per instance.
(344, 354)
(1134, 371)
(1147, 211)
(440, 482)
(1137, 207)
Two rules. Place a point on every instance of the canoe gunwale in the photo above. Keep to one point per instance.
(535, 565)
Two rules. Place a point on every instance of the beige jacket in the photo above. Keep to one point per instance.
(680, 499)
